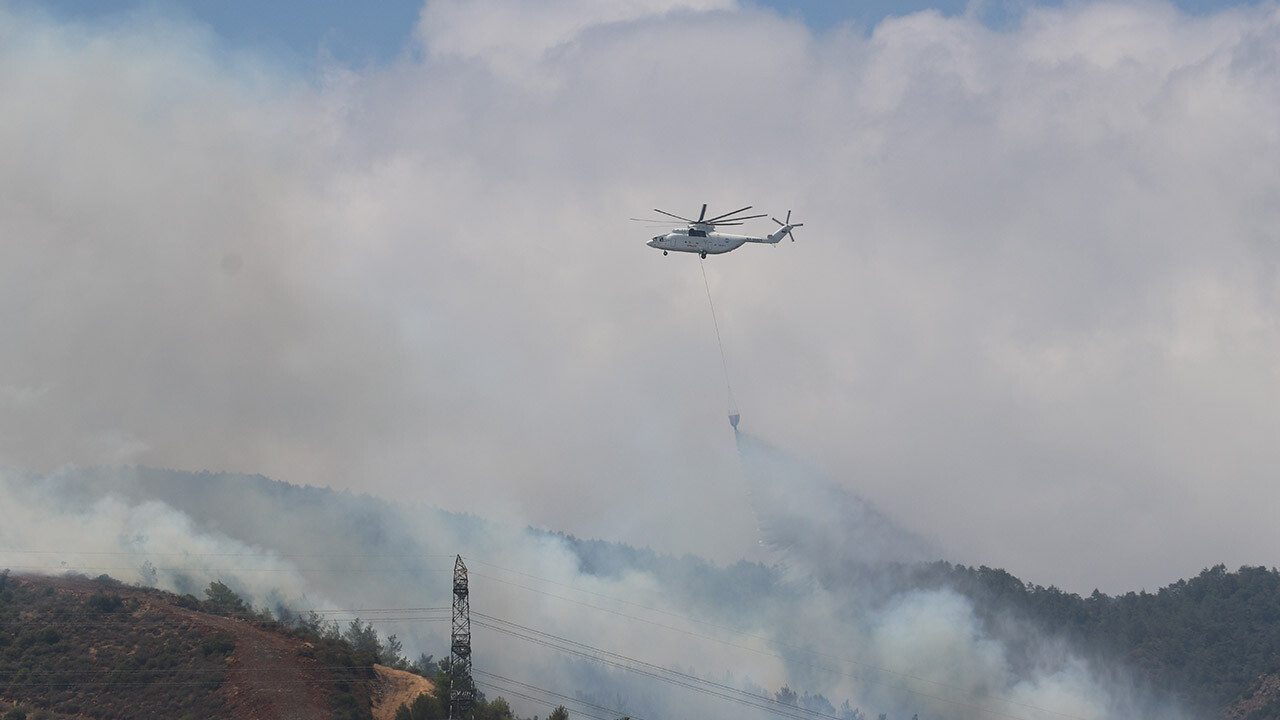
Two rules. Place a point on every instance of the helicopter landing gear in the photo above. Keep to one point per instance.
(704, 254)
(664, 252)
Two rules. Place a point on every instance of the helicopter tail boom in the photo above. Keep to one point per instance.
(783, 231)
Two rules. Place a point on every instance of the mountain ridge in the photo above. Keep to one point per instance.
(1211, 641)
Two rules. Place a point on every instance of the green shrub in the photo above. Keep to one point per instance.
(104, 602)
(424, 707)
(345, 707)
(223, 600)
(217, 644)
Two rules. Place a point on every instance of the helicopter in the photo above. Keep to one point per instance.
(703, 238)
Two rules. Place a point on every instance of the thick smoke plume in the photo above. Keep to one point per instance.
(858, 628)
(912, 643)
(817, 522)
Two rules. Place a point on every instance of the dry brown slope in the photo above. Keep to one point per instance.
(267, 677)
(270, 673)
(396, 688)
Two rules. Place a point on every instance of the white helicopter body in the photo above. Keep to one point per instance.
(702, 238)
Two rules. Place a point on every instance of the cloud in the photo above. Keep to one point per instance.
(1030, 313)
(509, 37)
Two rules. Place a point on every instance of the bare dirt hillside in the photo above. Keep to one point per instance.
(268, 676)
(395, 688)
(80, 648)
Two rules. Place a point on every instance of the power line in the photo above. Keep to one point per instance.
(185, 553)
(552, 693)
(164, 620)
(257, 682)
(69, 567)
(541, 701)
(656, 672)
(185, 671)
(87, 618)
(685, 679)
(797, 648)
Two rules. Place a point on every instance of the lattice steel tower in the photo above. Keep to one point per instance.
(462, 691)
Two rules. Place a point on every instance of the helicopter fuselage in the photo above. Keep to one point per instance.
(701, 242)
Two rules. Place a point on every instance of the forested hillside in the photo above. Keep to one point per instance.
(1210, 640)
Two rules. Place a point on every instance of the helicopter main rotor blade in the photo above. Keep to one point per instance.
(736, 220)
(681, 219)
(719, 217)
(725, 219)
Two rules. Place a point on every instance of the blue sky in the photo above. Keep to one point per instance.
(359, 33)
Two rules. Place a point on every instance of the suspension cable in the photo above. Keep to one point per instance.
(724, 364)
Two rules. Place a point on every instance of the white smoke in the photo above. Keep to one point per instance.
(53, 526)
(906, 649)
(819, 522)
(821, 624)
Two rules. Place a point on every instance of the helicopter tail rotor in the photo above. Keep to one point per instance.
(786, 227)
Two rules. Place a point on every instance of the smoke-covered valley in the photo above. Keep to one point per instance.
(844, 610)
